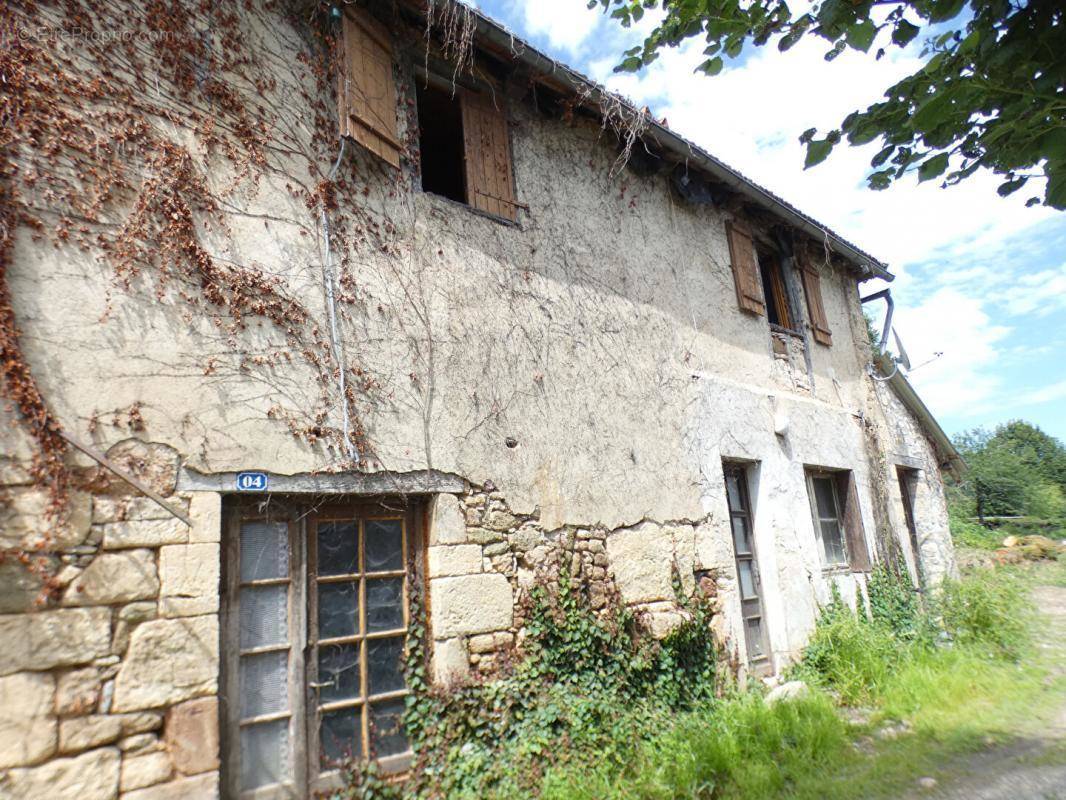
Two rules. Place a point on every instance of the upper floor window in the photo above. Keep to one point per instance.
(762, 285)
(465, 146)
(463, 137)
(773, 285)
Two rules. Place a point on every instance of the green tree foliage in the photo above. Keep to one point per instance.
(990, 93)
(1015, 470)
(1040, 452)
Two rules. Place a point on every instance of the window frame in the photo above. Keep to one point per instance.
(466, 94)
(776, 295)
(813, 474)
(302, 515)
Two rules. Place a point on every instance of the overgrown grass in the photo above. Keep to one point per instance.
(736, 747)
(953, 672)
(594, 713)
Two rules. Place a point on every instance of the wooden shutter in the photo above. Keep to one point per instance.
(745, 265)
(487, 148)
(855, 536)
(812, 289)
(367, 91)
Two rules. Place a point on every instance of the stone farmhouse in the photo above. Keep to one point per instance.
(309, 313)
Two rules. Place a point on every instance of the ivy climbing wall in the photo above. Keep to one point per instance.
(171, 178)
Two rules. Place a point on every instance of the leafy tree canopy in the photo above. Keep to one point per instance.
(991, 93)
(1017, 469)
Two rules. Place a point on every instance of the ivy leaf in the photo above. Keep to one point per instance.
(932, 167)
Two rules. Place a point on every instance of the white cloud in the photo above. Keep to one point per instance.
(1056, 391)
(751, 117)
(566, 23)
(954, 348)
(1039, 293)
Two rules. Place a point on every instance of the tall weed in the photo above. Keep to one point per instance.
(848, 654)
(737, 747)
(988, 611)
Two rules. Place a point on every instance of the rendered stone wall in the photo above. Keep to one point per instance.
(586, 370)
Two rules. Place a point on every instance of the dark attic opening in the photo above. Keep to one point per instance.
(440, 140)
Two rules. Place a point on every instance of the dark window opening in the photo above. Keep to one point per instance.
(773, 287)
(440, 140)
(908, 485)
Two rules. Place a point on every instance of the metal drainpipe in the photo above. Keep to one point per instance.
(334, 339)
(885, 294)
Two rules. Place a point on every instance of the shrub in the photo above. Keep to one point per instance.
(967, 533)
(896, 605)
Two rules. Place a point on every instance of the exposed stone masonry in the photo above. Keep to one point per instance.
(484, 559)
(110, 689)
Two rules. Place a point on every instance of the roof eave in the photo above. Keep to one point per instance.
(867, 266)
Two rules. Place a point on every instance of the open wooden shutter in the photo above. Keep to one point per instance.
(366, 90)
(487, 146)
(848, 495)
(812, 288)
(745, 265)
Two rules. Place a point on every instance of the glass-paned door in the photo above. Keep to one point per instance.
(358, 624)
(315, 615)
(749, 584)
(261, 695)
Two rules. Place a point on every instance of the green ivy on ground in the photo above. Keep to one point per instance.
(589, 683)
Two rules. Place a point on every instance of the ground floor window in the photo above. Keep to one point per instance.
(315, 619)
(828, 519)
(837, 519)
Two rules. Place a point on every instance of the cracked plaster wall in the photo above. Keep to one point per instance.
(601, 334)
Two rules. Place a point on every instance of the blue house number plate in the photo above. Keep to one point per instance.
(252, 481)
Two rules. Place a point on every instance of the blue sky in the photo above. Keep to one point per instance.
(981, 281)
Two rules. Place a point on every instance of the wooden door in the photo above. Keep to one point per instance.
(749, 584)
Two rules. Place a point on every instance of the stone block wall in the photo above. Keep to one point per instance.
(483, 560)
(109, 685)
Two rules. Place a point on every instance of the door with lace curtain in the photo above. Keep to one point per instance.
(315, 618)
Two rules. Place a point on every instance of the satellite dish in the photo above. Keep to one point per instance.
(902, 359)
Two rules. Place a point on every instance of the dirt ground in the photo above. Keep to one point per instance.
(1031, 766)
